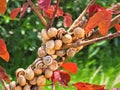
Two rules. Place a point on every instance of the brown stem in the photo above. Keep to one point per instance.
(37, 12)
(53, 86)
(50, 23)
(3, 84)
(76, 22)
(115, 7)
(84, 43)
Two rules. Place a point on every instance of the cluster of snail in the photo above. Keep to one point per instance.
(50, 58)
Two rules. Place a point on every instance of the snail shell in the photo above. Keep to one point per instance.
(54, 56)
(37, 71)
(79, 48)
(41, 80)
(50, 51)
(61, 32)
(44, 34)
(38, 63)
(41, 52)
(27, 87)
(47, 60)
(12, 85)
(33, 81)
(50, 44)
(79, 32)
(21, 80)
(18, 88)
(52, 32)
(29, 74)
(71, 52)
(58, 44)
(60, 53)
(67, 38)
(48, 73)
(53, 66)
(20, 71)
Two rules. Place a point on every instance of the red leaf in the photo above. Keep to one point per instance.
(23, 9)
(94, 8)
(3, 5)
(15, 12)
(117, 26)
(61, 76)
(72, 67)
(67, 20)
(87, 86)
(3, 51)
(43, 4)
(50, 10)
(3, 74)
(102, 20)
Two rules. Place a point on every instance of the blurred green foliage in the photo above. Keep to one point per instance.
(98, 63)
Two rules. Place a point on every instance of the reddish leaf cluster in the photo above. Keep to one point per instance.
(3, 5)
(87, 86)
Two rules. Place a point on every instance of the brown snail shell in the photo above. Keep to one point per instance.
(79, 48)
(12, 85)
(33, 81)
(60, 53)
(27, 87)
(48, 73)
(18, 88)
(52, 32)
(50, 44)
(54, 56)
(41, 80)
(67, 38)
(21, 80)
(47, 60)
(38, 63)
(58, 44)
(53, 66)
(29, 74)
(79, 32)
(71, 52)
(41, 52)
(20, 71)
(44, 35)
(61, 32)
(6, 87)
(37, 71)
(50, 51)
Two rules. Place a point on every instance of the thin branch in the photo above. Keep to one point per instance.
(53, 86)
(76, 22)
(37, 12)
(3, 84)
(84, 43)
(50, 23)
(115, 7)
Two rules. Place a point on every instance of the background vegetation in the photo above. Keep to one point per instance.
(98, 63)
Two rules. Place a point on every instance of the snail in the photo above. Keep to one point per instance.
(38, 63)
(44, 35)
(12, 85)
(33, 81)
(79, 32)
(61, 32)
(20, 71)
(60, 53)
(41, 52)
(71, 52)
(50, 51)
(29, 74)
(48, 73)
(67, 38)
(47, 60)
(52, 32)
(41, 80)
(54, 56)
(21, 80)
(53, 66)
(50, 44)
(37, 71)
(58, 44)
(18, 88)
(27, 87)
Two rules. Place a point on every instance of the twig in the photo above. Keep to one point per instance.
(3, 84)
(37, 12)
(115, 7)
(50, 23)
(76, 22)
(53, 86)
(84, 43)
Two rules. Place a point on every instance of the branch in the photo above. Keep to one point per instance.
(37, 12)
(84, 43)
(3, 84)
(115, 7)
(76, 22)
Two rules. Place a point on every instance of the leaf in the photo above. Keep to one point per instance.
(3, 5)
(43, 4)
(3, 51)
(23, 9)
(50, 10)
(72, 67)
(67, 20)
(61, 76)
(4, 75)
(94, 8)
(101, 19)
(87, 86)
(117, 26)
(15, 12)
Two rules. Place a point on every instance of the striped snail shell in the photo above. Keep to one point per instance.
(21, 80)
(61, 32)
(47, 60)
(20, 71)
(71, 52)
(52, 32)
